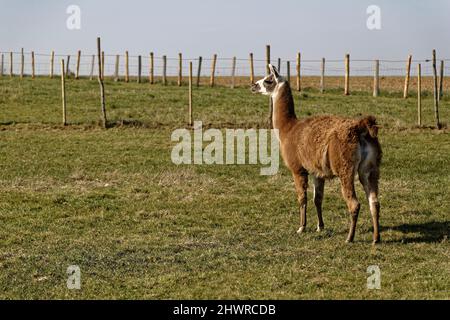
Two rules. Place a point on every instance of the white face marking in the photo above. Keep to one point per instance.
(262, 88)
(268, 85)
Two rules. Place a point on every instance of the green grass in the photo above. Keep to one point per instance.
(138, 226)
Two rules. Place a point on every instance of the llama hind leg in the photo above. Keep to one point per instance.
(301, 185)
(349, 194)
(319, 184)
(370, 184)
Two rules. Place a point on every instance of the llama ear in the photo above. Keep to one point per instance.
(274, 71)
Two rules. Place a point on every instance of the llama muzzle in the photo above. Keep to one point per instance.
(255, 88)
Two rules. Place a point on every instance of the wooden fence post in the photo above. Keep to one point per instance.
(33, 70)
(322, 76)
(77, 74)
(199, 70)
(152, 69)
(298, 71)
(279, 64)
(407, 77)
(252, 70)
(376, 78)
(213, 70)
(347, 75)
(116, 68)
(180, 69)
(436, 95)
(233, 72)
(67, 66)
(268, 59)
(100, 81)
(2, 65)
(91, 75)
(22, 63)
(127, 67)
(288, 71)
(63, 93)
(419, 95)
(164, 75)
(11, 65)
(139, 69)
(441, 80)
(52, 60)
(103, 65)
(190, 94)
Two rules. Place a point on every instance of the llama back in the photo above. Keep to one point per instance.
(322, 140)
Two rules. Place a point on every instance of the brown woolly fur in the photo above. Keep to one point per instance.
(325, 147)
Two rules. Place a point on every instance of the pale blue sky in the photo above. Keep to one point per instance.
(232, 27)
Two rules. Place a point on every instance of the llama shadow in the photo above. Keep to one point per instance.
(429, 232)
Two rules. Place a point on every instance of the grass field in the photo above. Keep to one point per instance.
(138, 226)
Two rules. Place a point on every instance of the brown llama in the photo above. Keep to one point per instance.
(325, 147)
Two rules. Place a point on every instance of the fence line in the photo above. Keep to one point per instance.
(31, 63)
(42, 68)
(82, 65)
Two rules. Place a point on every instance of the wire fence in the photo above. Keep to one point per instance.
(389, 75)
(11, 62)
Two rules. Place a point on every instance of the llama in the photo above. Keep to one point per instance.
(325, 146)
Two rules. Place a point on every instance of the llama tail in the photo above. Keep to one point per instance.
(369, 125)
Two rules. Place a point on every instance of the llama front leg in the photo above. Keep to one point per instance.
(349, 194)
(319, 184)
(301, 185)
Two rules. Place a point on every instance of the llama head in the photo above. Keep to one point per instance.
(268, 84)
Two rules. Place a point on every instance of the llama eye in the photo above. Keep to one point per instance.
(268, 81)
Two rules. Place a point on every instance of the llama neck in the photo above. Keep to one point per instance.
(283, 108)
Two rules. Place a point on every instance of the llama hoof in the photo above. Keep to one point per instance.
(300, 230)
(320, 228)
(376, 241)
(348, 240)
